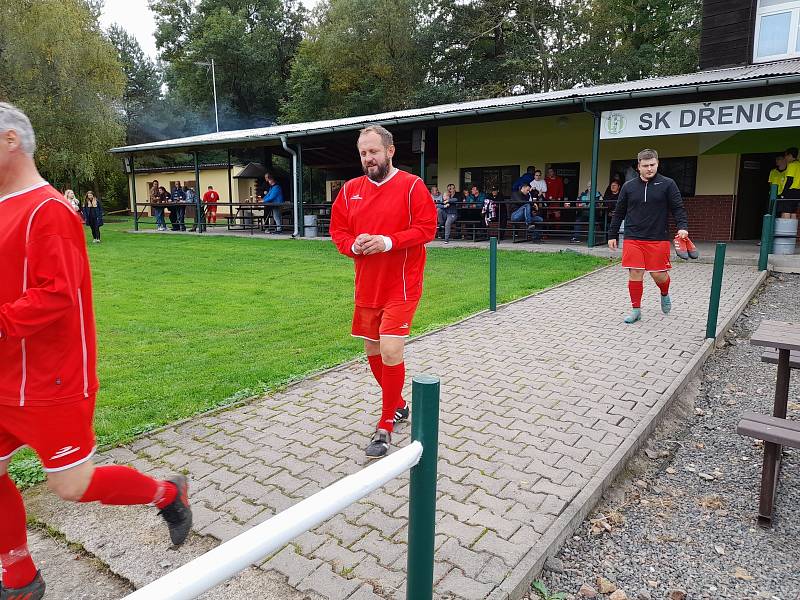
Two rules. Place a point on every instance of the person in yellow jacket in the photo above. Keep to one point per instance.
(787, 203)
(777, 176)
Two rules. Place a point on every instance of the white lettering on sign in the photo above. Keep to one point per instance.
(703, 117)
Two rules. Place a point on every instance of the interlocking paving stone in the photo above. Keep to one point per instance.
(536, 397)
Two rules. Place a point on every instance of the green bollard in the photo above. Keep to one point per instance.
(422, 489)
(766, 243)
(493, 274)
(716, 289)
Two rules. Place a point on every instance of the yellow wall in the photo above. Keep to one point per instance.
(216, 177)
(568, 138)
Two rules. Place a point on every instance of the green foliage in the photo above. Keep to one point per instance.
(544, 593)
(252, 44)
(56, 65)
(359, 57)
(25, 469)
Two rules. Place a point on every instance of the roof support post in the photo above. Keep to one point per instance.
(294, 184)
(132, 180)
(593, 187)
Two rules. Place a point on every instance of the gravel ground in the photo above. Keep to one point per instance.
(682, 517)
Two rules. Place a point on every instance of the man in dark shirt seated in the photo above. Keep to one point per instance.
(525, 209)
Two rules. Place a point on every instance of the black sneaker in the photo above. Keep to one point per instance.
(33, 591)
(379, 446)
(401, 414)
(178, 515)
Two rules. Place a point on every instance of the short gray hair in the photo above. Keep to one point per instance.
(12, 118)
(647, 154)
(386, 136)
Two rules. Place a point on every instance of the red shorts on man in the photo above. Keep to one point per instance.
(650, 256)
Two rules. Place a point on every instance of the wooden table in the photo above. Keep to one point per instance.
(785, 337)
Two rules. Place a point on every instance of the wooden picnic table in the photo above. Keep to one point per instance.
(776, 431)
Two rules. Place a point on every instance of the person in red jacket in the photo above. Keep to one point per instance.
(383, 221)
(48, 353)
(210, 199)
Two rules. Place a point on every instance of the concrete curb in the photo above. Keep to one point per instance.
(517, 584)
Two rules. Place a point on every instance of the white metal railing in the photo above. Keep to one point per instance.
(226, 560)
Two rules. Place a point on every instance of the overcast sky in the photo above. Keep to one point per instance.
(136, 18)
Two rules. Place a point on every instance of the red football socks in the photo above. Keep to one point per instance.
(17, 566)
(120, 485)
(636, 288)
(664, 286)
(376, 366)
(393, 377)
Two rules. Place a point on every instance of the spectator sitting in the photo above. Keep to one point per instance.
(580, 215)
(525, 209)
(491, 206)
(448, 213)
(619, 178)
(477, 197)
(538, 186)
(275, 197)
(465, 198)
(611, 195)
(176, 212)
(525, 178)
(555, 185)
(437, 196)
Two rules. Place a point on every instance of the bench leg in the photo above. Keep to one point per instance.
(769, 482)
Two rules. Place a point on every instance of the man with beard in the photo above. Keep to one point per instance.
(645, 204)
(383, 221)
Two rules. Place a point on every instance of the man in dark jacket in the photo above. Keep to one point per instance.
(645, 204)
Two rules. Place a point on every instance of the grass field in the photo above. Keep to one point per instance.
(187, 323)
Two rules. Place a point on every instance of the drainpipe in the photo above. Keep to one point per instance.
(593, 187)
(294, 183)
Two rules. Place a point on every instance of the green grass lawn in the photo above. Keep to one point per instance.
(186, 323)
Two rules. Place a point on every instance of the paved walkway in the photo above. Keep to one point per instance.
(537, 400)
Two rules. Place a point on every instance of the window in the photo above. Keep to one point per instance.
(683, 169)
(777, 33)
(487, 178)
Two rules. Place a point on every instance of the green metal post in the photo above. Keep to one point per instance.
(422, 489)
(773, 200)
(593, 187)
(493, 274)
(133, 195)
(230, 187)
(716, 289)
(766, 242)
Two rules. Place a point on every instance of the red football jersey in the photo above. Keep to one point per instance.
(400, 208)
(47, 331)
(211, 196)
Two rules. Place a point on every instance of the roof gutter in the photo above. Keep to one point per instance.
(559, 102)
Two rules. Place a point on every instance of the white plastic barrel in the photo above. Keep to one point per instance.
(310, 225)
(785, 237)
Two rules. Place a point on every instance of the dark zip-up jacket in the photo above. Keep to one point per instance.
(645, 208)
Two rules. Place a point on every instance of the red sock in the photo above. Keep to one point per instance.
(17, 567)
(119, 485)
(636, 288)
(393, 378)
(376, 365)
(664, 286)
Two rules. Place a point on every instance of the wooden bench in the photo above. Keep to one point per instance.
(776, 433)
(770, 355)
(519, 231)
(472, 229)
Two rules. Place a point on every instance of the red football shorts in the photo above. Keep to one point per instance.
(647, 255)
(62, 435)
(393, 320)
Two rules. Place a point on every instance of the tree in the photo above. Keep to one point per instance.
(252, 42)
(359, 56)
(56, 65)
(142, 86)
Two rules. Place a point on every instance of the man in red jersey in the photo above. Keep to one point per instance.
(48, 353)
(383, 221)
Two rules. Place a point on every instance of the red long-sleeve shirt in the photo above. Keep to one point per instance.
(400, 208)
(47, 330)
(555, 188)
